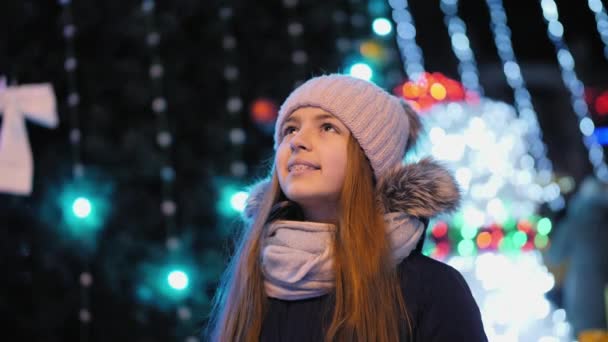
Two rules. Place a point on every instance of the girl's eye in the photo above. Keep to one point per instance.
(326, 127)
(288, 130)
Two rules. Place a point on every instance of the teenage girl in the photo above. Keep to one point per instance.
(332, 246)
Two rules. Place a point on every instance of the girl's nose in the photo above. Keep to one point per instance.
(300, 141)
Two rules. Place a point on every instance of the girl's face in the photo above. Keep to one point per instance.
(311, 158)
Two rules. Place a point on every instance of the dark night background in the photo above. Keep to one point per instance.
(41, 264)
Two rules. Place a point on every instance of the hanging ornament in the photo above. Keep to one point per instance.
(35, 102)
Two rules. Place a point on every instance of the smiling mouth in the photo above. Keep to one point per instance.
(301, 168)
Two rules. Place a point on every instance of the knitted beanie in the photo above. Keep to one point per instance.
(377, 119)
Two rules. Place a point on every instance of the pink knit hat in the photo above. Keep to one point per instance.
(378, 120)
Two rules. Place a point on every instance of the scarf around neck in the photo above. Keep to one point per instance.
(297, 259)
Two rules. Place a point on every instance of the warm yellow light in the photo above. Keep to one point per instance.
(438, 91)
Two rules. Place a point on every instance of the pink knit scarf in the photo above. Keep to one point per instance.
(297, 258)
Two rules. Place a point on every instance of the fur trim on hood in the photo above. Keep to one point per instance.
(424, 189)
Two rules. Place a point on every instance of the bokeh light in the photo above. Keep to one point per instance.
(382, 26)
(81, 207)
(178, 279)
(362, 71)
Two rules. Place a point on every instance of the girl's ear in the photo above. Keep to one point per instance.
(414, 124)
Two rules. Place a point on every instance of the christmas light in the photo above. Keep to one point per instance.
(440, 229)
(263, 111)
(601, 104)
(601, 19)
(78, 211)
(81, 207)
(575, 87)
(601, 133)
(295, 30)
(544, 226)
(406, 39)
(467, 66)
(438, 91)
(362, 71)
(382, 26)
(178, 280)
(485, 147)
(523, 103)
(372, 51)
(484, 240)
(541, 241)
(232, 200)
(238, 200)
(429, 90)
(466, 247)
(519, 239)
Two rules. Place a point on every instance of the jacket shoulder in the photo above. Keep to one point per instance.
(439, 301)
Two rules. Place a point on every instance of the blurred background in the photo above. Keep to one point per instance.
(129, 131)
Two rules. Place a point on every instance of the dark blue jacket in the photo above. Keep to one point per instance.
(438, 300)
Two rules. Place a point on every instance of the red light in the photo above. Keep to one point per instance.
(524, 226)
(411, 90)
(440, 230)
(528, 246)
(601, 104)
(441, 250)
(263, 111)
(454, 90)
(426, 102)
(433, 88)
(497, 236)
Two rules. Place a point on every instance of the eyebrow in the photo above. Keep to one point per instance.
(318, 117)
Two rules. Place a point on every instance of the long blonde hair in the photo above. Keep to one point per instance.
(369, 305)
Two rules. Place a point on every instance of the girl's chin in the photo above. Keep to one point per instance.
(308, 197)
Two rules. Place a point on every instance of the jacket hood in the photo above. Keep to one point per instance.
(423, 189)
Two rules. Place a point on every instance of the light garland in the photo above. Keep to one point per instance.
(496, 283)
(234, 102)
(73, 100)
(523, 99)
(295, 29)
(164, 139)
(601, 19)
(413, 62)
(457, 29)
(555, 32)
(484, 144)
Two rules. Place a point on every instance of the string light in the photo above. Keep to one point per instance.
(484, 144)
(295, 29)
(382, 26)
(406, 39)
(164, 139)
(495, 282)
(601, 20)
(555, 32)
(457, 29)
(82, 206)
(234, 102)
(523, 99)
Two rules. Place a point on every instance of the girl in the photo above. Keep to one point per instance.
(332, 246)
